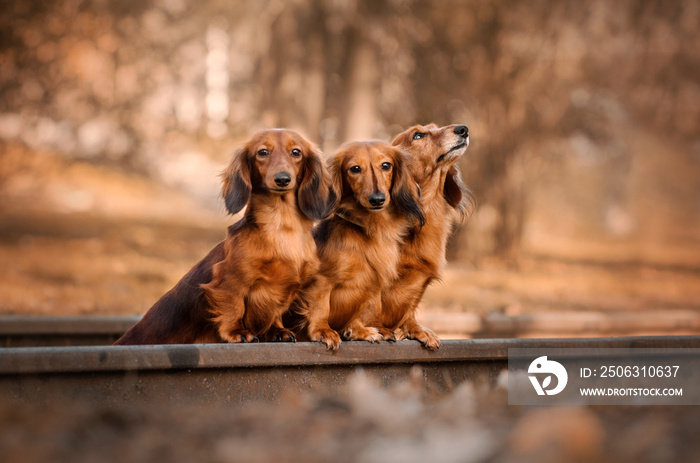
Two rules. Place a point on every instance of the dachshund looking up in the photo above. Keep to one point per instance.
(434, 152)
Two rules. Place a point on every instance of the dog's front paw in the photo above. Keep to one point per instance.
(387, 334)
(373, 335)
(362, 333)
(280, 335)
(241, 336)
(327, 336)
(427, 337)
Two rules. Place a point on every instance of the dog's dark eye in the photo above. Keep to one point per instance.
(386, 166)
(356, 169)
(419, 135)
(296, 152)
(262, 153)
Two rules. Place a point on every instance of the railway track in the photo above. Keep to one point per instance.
(29, 331)
(35, 331)
(241, 373)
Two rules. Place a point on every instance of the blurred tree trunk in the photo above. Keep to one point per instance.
(360, 116)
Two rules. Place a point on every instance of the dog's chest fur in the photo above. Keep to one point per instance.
(428, 244)
(273, 245)
(369, 250)
(286, 237)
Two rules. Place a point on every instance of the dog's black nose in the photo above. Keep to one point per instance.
(283, 178)
(462, 130)
(377, 199)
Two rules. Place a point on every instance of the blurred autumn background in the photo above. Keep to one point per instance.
(117, 117)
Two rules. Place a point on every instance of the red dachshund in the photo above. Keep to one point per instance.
(434, 152)
(239, 292)
(359, 245)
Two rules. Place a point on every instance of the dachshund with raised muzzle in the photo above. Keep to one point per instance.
(445, 200)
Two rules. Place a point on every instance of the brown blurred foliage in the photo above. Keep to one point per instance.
(584, 115)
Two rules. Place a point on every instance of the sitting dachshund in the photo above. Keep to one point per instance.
(359, 245)
(434, 152)
(239, 292)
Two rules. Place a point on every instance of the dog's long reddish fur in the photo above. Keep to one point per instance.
(434, 152)
(359, 245)
(240, 291)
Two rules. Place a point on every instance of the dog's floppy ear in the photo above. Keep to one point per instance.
(399, 139)
(457, 194)
(335, 172)
(237, 185)
(405, 193)
(315, 195)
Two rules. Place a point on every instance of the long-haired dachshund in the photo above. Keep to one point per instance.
(239, 292)
(433, 152)
(359, 245)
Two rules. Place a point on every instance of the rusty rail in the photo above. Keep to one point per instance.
(27, 331)
(241, 373)
(566, 323)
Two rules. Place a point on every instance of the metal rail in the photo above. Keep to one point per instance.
(28, 331)
(239, 373)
